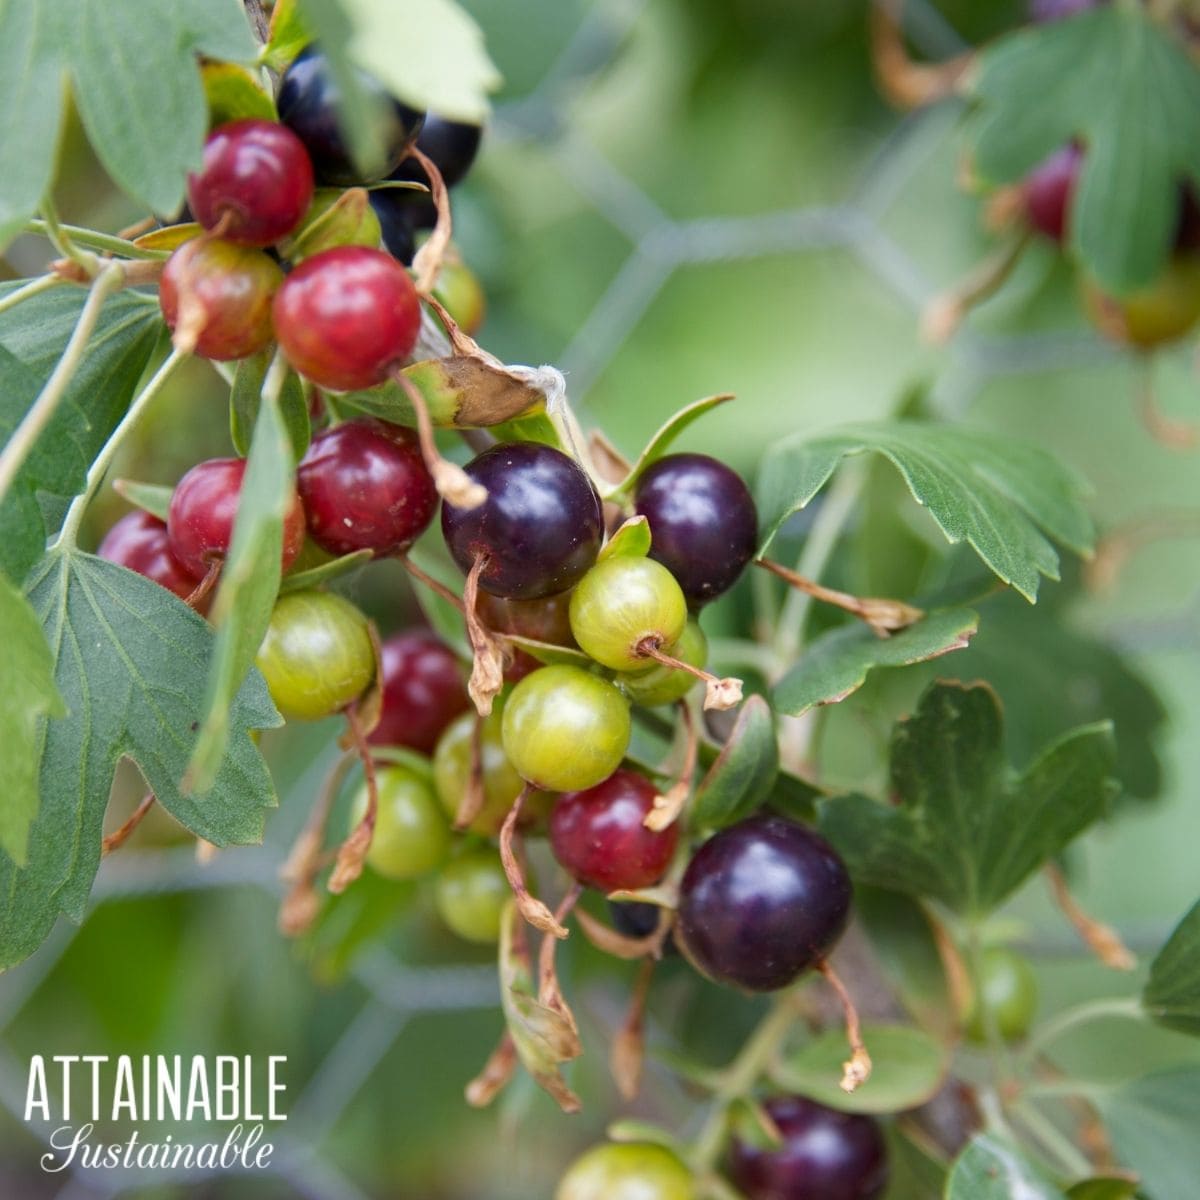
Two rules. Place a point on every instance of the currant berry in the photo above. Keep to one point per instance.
(627, 1171)
(203, 510)
(824, 1153)
(599, 838)
(401, 213)
(621, 606)
(452, 771)
(346, 316)
(1049, 189)
(139, 541)
(663, 684)
(539, 528)
(220, 295)
(1007, 996)
(308, 105)
(317, 656)
(703, 523)
(637, 920)
(546, 619)
(411, 836)
(1154, 315)
(452, 147)
(471, 893)
(423, 691)
(365, 487)
(761, 902)
(565, 729)
(256, 182)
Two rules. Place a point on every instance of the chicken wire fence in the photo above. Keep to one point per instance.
(659, 247)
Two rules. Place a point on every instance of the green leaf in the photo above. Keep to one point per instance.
(1109, 1187)
(662, 440)
(744, 772)
(1152, 1122)
(1172, 995)
(154, 498)
(249, 585)
(28, 696)
(431, 55)
(246, 395)
(837, 663)
(32, 337)
(1003, 497)
(1115, 79)
(130, 661)
(289, 35)
(31, 98)
(962, 830)
(137, 83)
(548, 652)
(902, 936)
(990, 1169)
(631, 540)
(350, 921)
(908, 1068)
(325, 573)
(234, 94)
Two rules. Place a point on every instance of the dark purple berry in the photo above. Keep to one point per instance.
(703, 523)
(825, 1155)
(539, 528)
(452, 145)
(308, 106)
(761, 902)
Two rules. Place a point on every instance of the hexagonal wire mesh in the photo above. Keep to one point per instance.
(660, 247)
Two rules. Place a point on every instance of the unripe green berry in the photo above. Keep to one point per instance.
(627, 1171)
(1008, 992)
(564, 729)
(335, 218)
(470, 895)
(663, 684)
(622, 602)
(317, 655)
(412, 837)
(452, 770)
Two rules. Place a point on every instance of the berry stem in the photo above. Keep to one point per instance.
(627, 1054)
(352, 853)
(943, 315)
(719, 693)
(1164, 429)
(102, 462)
(116, 839)
(62, 241)
(454, 485)
(35, 287)
(607, 939)
(667, 807)
(884, 616)
(432, 584)
(200, 592)
(427, 263)
(40, 414)
(497, 1071)
(474, 796)
(1126, 1007)
(1103, 940)
(905, 82)
(857, 1069)
(104, 242)
(487, 666)
(530, 907)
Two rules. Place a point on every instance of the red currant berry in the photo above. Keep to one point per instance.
(423, 691)
(826, 1154)
(139, 541)
(203, 509)
(220, 295)
(761, 902)
(539, 528)
(598, 836)
(1049, 189)
(365, 487)
(308, 102)
(703, 523)
(256, 182)
(346, 316)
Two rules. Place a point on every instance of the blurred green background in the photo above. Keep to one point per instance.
(677, 197)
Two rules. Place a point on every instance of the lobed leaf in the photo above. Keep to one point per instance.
(1005, 498)
(246, 395)
(744, 772)
(1118, 81)
(130, 662)
(1172, 993)
(962, 830)
(837, 664)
